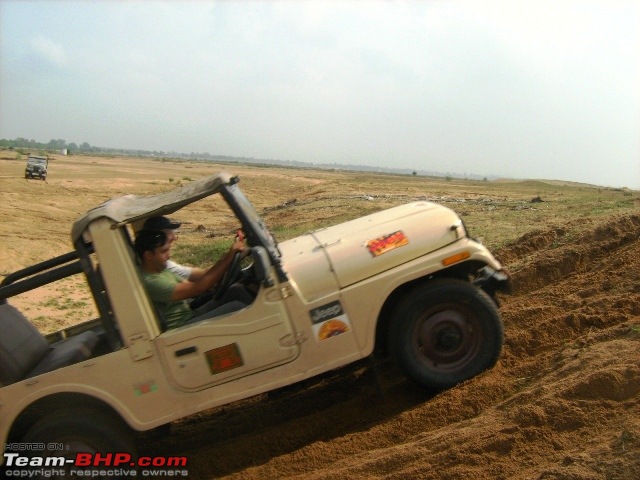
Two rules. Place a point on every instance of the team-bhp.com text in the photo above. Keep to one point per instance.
(94, 465)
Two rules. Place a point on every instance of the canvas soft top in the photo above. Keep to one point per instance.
(129, 208)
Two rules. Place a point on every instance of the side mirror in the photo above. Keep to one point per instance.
(262, 266)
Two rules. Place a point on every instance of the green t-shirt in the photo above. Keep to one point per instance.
(160, 286)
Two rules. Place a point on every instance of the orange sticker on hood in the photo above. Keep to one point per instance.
(387, 243)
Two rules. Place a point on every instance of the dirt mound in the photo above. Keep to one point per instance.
(562, 403)
(544, 256)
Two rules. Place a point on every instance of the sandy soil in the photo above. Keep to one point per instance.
(562, 403)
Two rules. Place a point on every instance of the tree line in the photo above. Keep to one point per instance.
(56, 145)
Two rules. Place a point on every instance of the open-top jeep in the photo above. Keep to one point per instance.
(407, 282)
(36, 167)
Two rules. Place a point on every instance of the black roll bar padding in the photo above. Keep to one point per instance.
(38, 268)
(103, 305)
(39, 275)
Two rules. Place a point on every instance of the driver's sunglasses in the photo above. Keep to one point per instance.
(158, 240)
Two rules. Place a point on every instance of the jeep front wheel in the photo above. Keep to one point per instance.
(445, 332)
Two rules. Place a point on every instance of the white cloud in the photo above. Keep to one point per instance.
(50, 51)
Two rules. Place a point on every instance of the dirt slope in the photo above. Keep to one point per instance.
(563, 402)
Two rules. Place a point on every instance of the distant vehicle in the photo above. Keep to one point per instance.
(408, 282)
(36, 167)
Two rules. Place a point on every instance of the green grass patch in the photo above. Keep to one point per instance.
(201, 255)
(64, 304)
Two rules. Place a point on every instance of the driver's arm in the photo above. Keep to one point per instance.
(196, 273)
(210, 277)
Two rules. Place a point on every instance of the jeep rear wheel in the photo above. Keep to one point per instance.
(66, 434)
(445, 332)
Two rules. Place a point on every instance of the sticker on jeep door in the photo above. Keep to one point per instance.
(329, 321)
(386, 243)
(224, 358)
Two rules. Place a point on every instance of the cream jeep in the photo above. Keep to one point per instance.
(407, 282)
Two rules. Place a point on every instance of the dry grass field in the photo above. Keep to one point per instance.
(562, 403)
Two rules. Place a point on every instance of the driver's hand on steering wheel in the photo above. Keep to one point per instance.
(239, 245)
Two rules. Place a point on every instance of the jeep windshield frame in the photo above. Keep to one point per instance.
(255, 229)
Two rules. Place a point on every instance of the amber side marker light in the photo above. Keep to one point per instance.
(458, 257)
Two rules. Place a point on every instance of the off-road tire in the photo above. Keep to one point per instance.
(67, 433)
(445, 332)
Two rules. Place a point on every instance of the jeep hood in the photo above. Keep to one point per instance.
(344, 254)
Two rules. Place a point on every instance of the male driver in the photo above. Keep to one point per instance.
(168, 291)
(168, 227)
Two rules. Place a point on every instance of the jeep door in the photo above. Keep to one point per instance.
(224, 348)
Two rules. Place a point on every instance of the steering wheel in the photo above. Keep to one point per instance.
(232, 274)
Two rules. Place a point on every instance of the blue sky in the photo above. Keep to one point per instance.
(520, 89)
